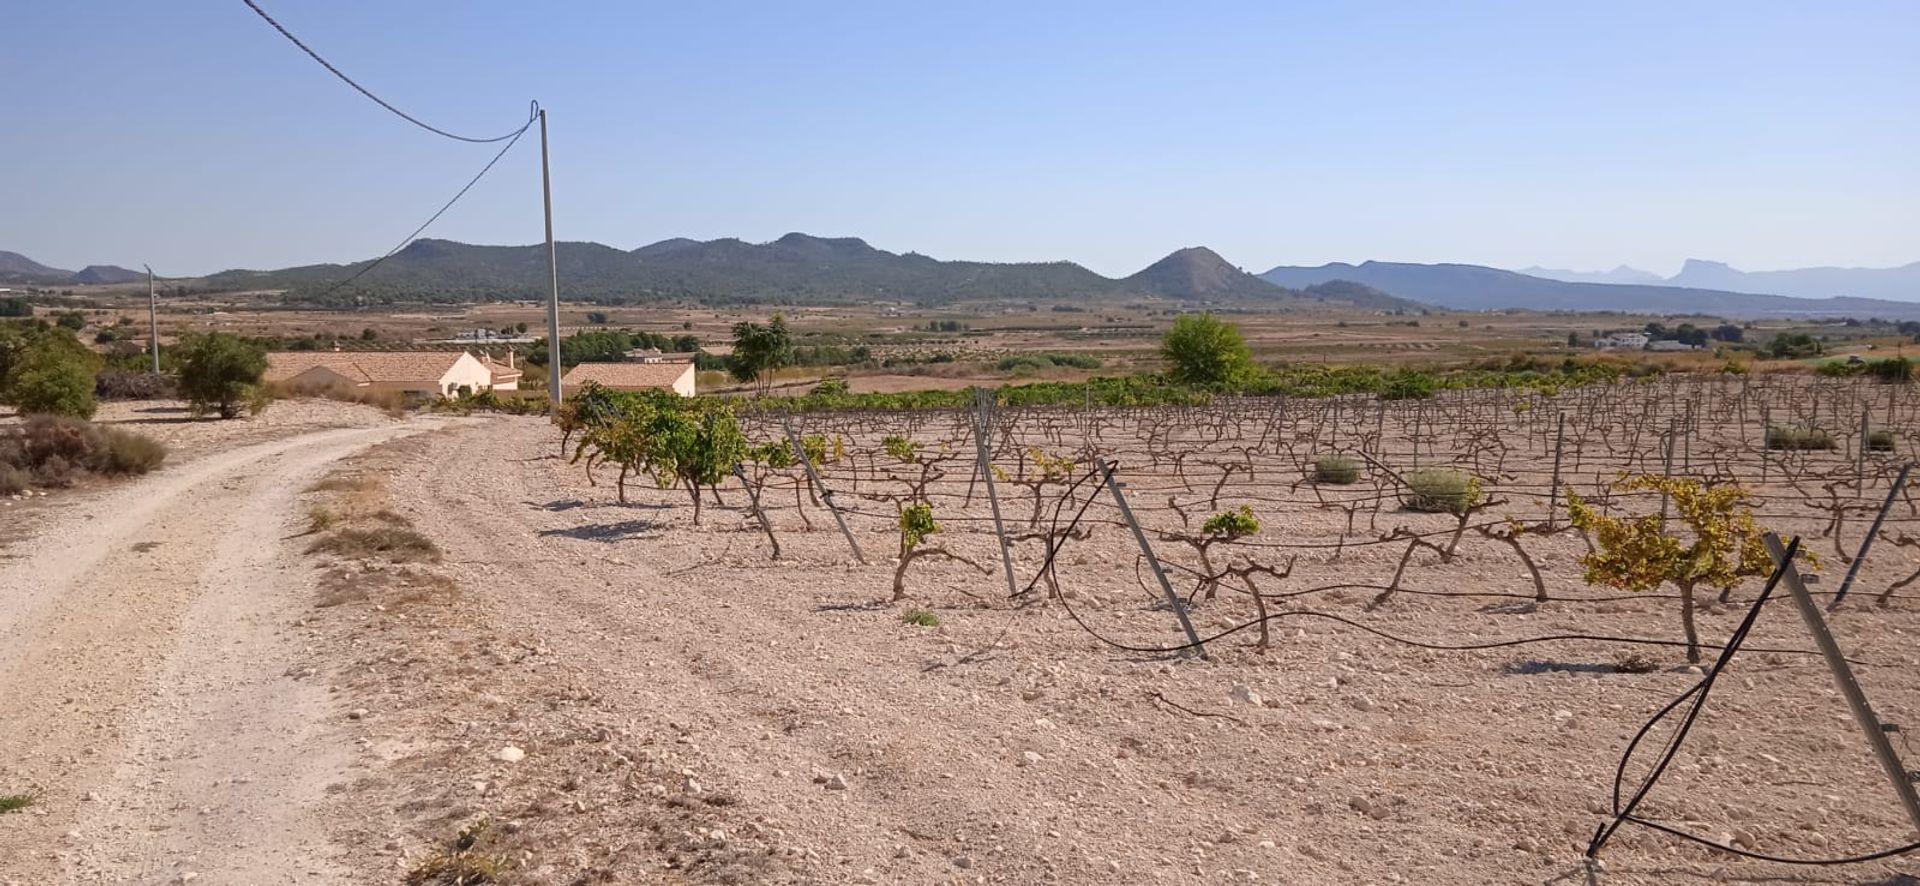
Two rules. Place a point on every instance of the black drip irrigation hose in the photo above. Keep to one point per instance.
(1623, 813)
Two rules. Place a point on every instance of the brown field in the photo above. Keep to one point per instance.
(477, 638)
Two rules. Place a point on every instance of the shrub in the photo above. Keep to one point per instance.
(1408, 384)
(1880, 441)
(48, 380)
(1897, 370)
(920, 618)
(15, 802)
(1206, 350)
(129, 453)
(1336, 470)
(49, 450)
(121, 384)
(221, 372)
(1441, 490)
(1799, 439)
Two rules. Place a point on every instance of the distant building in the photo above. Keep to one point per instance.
(675, 377)
(655, 355)
(417, 373)
(1623, 341)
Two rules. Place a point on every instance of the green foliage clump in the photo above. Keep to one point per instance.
(1237, 523)
(1799, 439)
(900, 447)
(14, 802)
(1336, 470)
(1408, 384)
(1721, 546)
(922, 618)
(758, 350)
(916, 523)
(1204, 350)
(45, 369)
(49, 381)
(221, 373)
(1795, 345)
(1880, 440)
(1442, 490)
(1037, 362)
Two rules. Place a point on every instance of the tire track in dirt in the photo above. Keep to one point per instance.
(142, 648)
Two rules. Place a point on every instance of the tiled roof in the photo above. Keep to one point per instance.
(372, 366)
(627, 375)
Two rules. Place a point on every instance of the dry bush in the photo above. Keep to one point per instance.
(56, 451)
(119, 384)
(129, 453)
(14, 481)
(398, 544)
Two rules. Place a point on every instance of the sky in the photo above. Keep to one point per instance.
(192, 137)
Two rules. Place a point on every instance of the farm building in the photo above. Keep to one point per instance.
(677, 377)
(1626, 341)
(417, 373)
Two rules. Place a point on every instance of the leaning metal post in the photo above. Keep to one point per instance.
(1140, 535)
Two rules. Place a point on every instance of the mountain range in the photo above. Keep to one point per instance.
(794, 268)
(1478, 288)
(17, 268)
(801, 268)
(1899, 284)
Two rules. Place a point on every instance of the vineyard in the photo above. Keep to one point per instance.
(1494, 525)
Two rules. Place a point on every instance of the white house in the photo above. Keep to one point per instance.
(418, 373)
(1626, 341)
(676, 377)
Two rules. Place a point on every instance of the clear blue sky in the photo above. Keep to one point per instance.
(191, 136)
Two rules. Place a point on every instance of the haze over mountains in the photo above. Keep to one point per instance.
(801, 268)
(1479, 288)
(1899, 284)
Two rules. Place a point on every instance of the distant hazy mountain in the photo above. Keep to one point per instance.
(1473, 287)
(1621, 274)
(794, 268)
(107, 274)
(17, 268)
(1900, 284)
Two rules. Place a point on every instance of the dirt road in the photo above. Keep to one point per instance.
(149, 704)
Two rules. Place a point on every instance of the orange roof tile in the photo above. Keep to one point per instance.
(627, 375)
(373, 366)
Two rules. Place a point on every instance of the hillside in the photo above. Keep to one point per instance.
(107, 274)
(1473, 287)
(797, 268)
(17, 268)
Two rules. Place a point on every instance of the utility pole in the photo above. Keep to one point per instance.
(554, 394)
(153, 318)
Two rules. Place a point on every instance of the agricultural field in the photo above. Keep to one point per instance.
(1398, 686)
(490, 649)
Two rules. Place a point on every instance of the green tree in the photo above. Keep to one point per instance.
(49, 379)
(759, 350)
(221, 372)
(1206, 350)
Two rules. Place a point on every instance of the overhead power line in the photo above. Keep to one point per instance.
(512, 138)
(369, 93)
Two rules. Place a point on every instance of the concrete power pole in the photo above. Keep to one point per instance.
(153, 318)
(554, 394)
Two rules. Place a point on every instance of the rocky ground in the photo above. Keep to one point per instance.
(568, 690)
